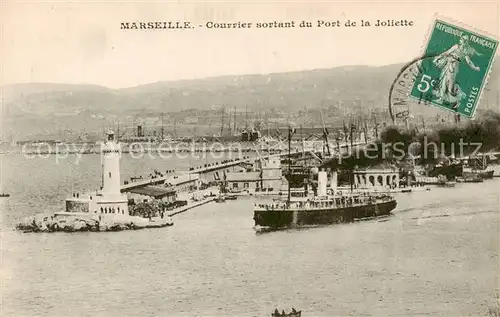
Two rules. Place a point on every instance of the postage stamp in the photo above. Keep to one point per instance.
(454, 73)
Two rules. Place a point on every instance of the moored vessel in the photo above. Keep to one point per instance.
(470, 178)
(444, 182)
(220, 199)
(477, 168)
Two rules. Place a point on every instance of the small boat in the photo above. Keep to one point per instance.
(447, 184)
(220, 199)
(472, 178)
(444, 182)
(293, 313)
(4, 195)
(487, 174)
(231, 197)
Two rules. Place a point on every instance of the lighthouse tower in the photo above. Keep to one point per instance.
(113, 201)
(111, 167)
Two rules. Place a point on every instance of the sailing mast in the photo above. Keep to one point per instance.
(246, 118)
(351, 131)
(376, 125)
(325, 135)
(234, 121)
(222, 122)
(175, 125)
(365, 127)
(161, 126)
(302, 141)
(118, 131)
(229, 119)
(290, 132)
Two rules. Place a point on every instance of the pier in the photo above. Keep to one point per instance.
(176, 192)
(191, 205)
(210, 171)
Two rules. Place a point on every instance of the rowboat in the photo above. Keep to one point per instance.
(293, 313)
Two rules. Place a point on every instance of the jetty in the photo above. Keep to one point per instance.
(214, 171)
(190, 205)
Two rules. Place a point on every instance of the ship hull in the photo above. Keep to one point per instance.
(297, 218)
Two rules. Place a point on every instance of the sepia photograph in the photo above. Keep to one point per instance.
(274, 158)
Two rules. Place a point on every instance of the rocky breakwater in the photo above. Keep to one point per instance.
(84, 222)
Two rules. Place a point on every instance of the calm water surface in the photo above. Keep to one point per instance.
(437, 255)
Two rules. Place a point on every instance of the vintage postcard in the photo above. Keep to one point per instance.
(270, 158)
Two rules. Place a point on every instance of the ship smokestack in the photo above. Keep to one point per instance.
(322, 183)
(334, 181)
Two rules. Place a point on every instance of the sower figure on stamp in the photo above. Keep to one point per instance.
(448, 90)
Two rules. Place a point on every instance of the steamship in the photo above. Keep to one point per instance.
(323, 207)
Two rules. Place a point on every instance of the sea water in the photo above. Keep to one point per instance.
(436, 255)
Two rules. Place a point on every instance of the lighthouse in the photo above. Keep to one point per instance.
(112, 200)
(111, 167)
(109, 202)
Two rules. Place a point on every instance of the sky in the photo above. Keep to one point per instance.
(82, 42)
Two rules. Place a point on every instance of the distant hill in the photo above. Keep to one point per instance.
(43, 109)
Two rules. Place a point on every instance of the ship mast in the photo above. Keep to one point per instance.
(325, 135)
(162, 126)
(229, 119)
(175, 125)
(290, 132)
(234, 121)
(246, 118)
(351, 131)
(118, 132)
(303, 147)
(222, 122)
(365, 131)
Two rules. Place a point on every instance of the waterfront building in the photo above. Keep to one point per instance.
(271, 173)
(238, 181)
(378, 177)
(267, 176)
(148, 193)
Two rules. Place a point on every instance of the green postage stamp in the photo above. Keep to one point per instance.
(454, 69)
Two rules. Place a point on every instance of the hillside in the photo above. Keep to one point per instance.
(47, 109)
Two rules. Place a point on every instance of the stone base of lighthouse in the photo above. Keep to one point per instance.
(98, 204)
